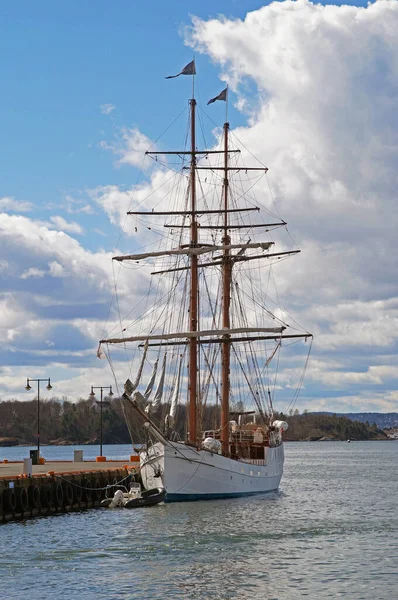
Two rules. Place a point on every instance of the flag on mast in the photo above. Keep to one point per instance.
(221, 96)
(189, 69)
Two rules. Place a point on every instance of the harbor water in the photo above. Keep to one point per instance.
(330, 532)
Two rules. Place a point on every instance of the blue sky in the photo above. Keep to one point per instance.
(61, 61)
(308, 92)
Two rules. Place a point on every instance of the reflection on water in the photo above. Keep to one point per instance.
(331, 532)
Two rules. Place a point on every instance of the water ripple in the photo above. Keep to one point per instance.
(331, 532)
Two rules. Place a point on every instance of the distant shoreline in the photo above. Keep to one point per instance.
(287, 441)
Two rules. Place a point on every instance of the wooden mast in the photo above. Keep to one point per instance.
(193, 302)
(226, 300)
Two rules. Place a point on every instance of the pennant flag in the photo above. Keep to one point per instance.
(221, 96)
(189, 69)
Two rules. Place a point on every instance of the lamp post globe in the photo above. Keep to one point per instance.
(28, 387)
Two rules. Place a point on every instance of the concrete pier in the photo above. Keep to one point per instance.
(59, 486)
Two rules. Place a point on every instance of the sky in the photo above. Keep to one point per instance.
(313, 94)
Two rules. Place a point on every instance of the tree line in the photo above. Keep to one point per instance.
(315, 426)
(63, 421)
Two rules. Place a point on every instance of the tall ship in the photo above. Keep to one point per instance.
(205, 340)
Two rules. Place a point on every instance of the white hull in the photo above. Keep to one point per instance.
(190, 474)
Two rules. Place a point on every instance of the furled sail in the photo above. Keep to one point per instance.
(170, 418)
(192, 251)
(130, 386)
(149, 388)
(195, 334)
(138, 377)
(159, 390)
(100, 353)
(273, 354)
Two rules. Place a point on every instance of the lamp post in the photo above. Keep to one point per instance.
(28, 388)
(92, 396)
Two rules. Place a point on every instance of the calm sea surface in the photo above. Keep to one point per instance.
(330, 532)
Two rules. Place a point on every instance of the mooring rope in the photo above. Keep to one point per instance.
(91, 488)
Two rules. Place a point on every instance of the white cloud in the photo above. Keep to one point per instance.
(86, 209)
(106, 109)
(100, 232)
(364, 402)
(42, 245)
(63, 225)
(68, 307)
(131, 146)
(33, 272)
(8, 203)
(56, 269)
(324, 121)
(76, 205)
(321, 372)
(12, 314)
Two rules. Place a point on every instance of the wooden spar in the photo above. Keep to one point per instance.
(181, 152)
(230, 340)
(225, 333)
(193, 334)
(233, 258)
(190, 212)
(248, 226)
(193, 302)
(226, 300)
(188, 250)
(211, 168)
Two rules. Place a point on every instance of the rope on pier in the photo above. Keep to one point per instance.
(90, 488)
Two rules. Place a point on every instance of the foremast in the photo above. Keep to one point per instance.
(226, 300)
(193, 300)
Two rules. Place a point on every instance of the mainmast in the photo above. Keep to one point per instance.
(226, 300)
(193, 301)
(225, 336)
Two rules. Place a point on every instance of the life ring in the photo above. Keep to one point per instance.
(22, 499)
(68, 493)
(34, 496)
(104, 483)
(10, 500)
(77, 492)
(97, 491)
(50, 492)
(87, 489)
(58, 494)
(44, 497)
